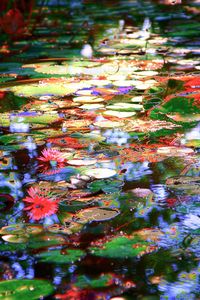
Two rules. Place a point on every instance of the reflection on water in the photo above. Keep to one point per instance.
(99, 153)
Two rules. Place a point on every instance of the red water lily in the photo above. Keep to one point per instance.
(51, 161)
(13, 22)
(39, 205)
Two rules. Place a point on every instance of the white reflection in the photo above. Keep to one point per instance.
(135, 171)
(192, 221)
(30, 144)
(116, 136)
(160, 192)
(17, 127)
(87, 51)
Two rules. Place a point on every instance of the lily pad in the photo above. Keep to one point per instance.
(15, 238)
(82, 162)
(34, 90)
(184, 184)
(25, 289)
(97, 214)
(174, 151)
(119, 114)
(125, 107)
(108, 124)
(67, 256)
(88, 99)
(121, 247)
(21, 229)
(100, 173)
(105, 185)
(92, 106)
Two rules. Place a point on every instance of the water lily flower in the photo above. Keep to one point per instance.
(51, 160)
(40, 206)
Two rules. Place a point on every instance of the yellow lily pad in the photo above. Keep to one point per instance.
(108, 124)
(119, 114)
(88, 99)
(92, 106)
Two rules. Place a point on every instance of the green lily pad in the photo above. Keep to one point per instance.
(67, 256)
(25, 289)
(15, 238)
(45, 240)
(105, 185)
(181, 105)
(121, 248)
(34, 90)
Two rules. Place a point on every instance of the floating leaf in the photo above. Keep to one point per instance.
(82, 162)
(96, 214)
(46, 240)
(92, 106)
(137, 99)
(121, 248)
(174, 151)
(77, 124)
(119, 114)
(21, 229)
(15, 238)
(99, 173)
(108, 124)
(146, 73)
(67, 256)
(44, 88)
(185, 184)
(88, 99)
(125, 107)
(69, 228)
(25, 289)
(105, 186)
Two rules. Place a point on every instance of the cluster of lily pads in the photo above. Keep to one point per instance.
(98, 155)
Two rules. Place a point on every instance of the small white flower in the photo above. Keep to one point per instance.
(87, 51)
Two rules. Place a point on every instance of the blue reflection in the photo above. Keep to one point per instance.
(116, 136)
(135, 171)
(186, 287)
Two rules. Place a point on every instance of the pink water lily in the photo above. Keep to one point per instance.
(38, 205)
(51, 161)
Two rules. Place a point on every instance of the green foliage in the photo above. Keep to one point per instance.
(25, 289)
(121, 248)
(107, 186)
(101, 282)
(67, 256)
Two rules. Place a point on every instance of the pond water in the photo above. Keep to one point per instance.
(99, 153)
